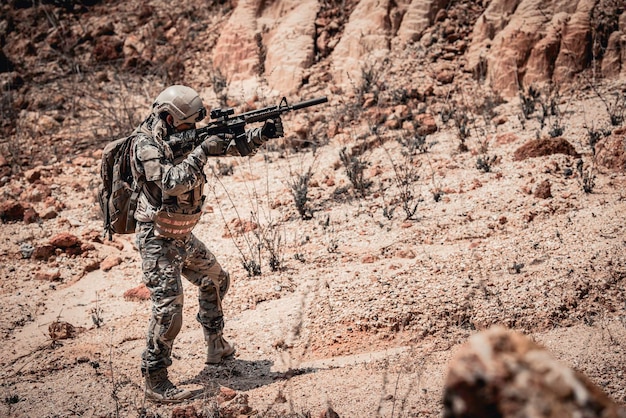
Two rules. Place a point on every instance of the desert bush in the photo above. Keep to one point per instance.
(615, 106)
(299, 185)
(595, 135)
(462, 121)
(355, 167)
(485, 162)
(528, 101)
(413, 144)
(587, 176)
(405, 178)
(265, 237)
(332, 243)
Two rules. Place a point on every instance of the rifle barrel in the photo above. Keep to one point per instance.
(310, 102)
(273, 111)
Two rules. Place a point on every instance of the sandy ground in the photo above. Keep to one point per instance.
(366, 310)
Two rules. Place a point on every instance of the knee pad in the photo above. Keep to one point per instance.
(175, 326)
(225, 282)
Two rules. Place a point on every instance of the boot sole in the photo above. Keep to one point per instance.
(159, 399)
(166, 401)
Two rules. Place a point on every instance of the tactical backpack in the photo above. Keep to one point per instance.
(119, 191)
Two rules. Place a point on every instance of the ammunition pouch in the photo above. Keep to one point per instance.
(175, 225)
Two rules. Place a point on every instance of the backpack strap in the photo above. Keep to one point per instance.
(130, 216)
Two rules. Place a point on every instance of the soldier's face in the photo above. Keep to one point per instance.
(184, 127)
(181, 127)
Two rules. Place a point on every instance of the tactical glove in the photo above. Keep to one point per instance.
(215, 145)
(272, 128)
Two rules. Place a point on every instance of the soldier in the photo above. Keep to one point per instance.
(169, 206)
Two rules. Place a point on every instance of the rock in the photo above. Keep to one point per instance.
(575, 52)
(328, 413)
(43, 252)
(612, 60)
(275, 42)
(36, 193)
(83, 161)
(31, 216)
(49, 213)
(11, 211)
(543, 147)
(237, 53)
(365, 40)
(543, 190)
(43, 123)
(32, 175)
(91, 265)
(369, 259)
(290, 45)
(236, 407)
(64, 240)
(501, 373)
(445, 76)
(426, 124)
(61, 330)
(238, 227)
(188, 411)
(226, 394)
(108, 48)
(48, 275)
(110, 262)
(139, 293)
(405, 253)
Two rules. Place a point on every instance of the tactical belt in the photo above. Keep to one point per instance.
(175, 225)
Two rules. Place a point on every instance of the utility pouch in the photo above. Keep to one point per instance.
(175, 225)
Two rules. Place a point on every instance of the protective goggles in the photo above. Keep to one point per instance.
(196, 117)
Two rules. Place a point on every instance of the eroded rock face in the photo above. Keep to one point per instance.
(366, 39)
(291, 45)
(500, 373)
(418, 17)
(274, 40)
(237, 52)
(278, 40)
(518, 43)
(515, 43)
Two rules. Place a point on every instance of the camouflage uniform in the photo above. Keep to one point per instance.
(175, 183)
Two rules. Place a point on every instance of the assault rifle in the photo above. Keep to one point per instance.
(225, 123)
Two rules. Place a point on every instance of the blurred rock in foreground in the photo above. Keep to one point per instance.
(501, 373)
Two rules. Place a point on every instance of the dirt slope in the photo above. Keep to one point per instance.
(427, 220)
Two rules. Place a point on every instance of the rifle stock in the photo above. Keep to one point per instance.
(225, 122)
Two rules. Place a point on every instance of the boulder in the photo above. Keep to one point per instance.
(501, 373)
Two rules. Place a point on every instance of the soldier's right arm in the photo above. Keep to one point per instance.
(173, 179)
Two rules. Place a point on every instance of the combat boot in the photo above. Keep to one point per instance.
(160, 389)
(217, 348)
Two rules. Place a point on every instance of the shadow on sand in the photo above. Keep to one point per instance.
(243, 375)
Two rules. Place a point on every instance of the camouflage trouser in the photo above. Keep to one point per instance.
(163, 262)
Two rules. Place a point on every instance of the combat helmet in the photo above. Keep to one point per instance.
(182, 102)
